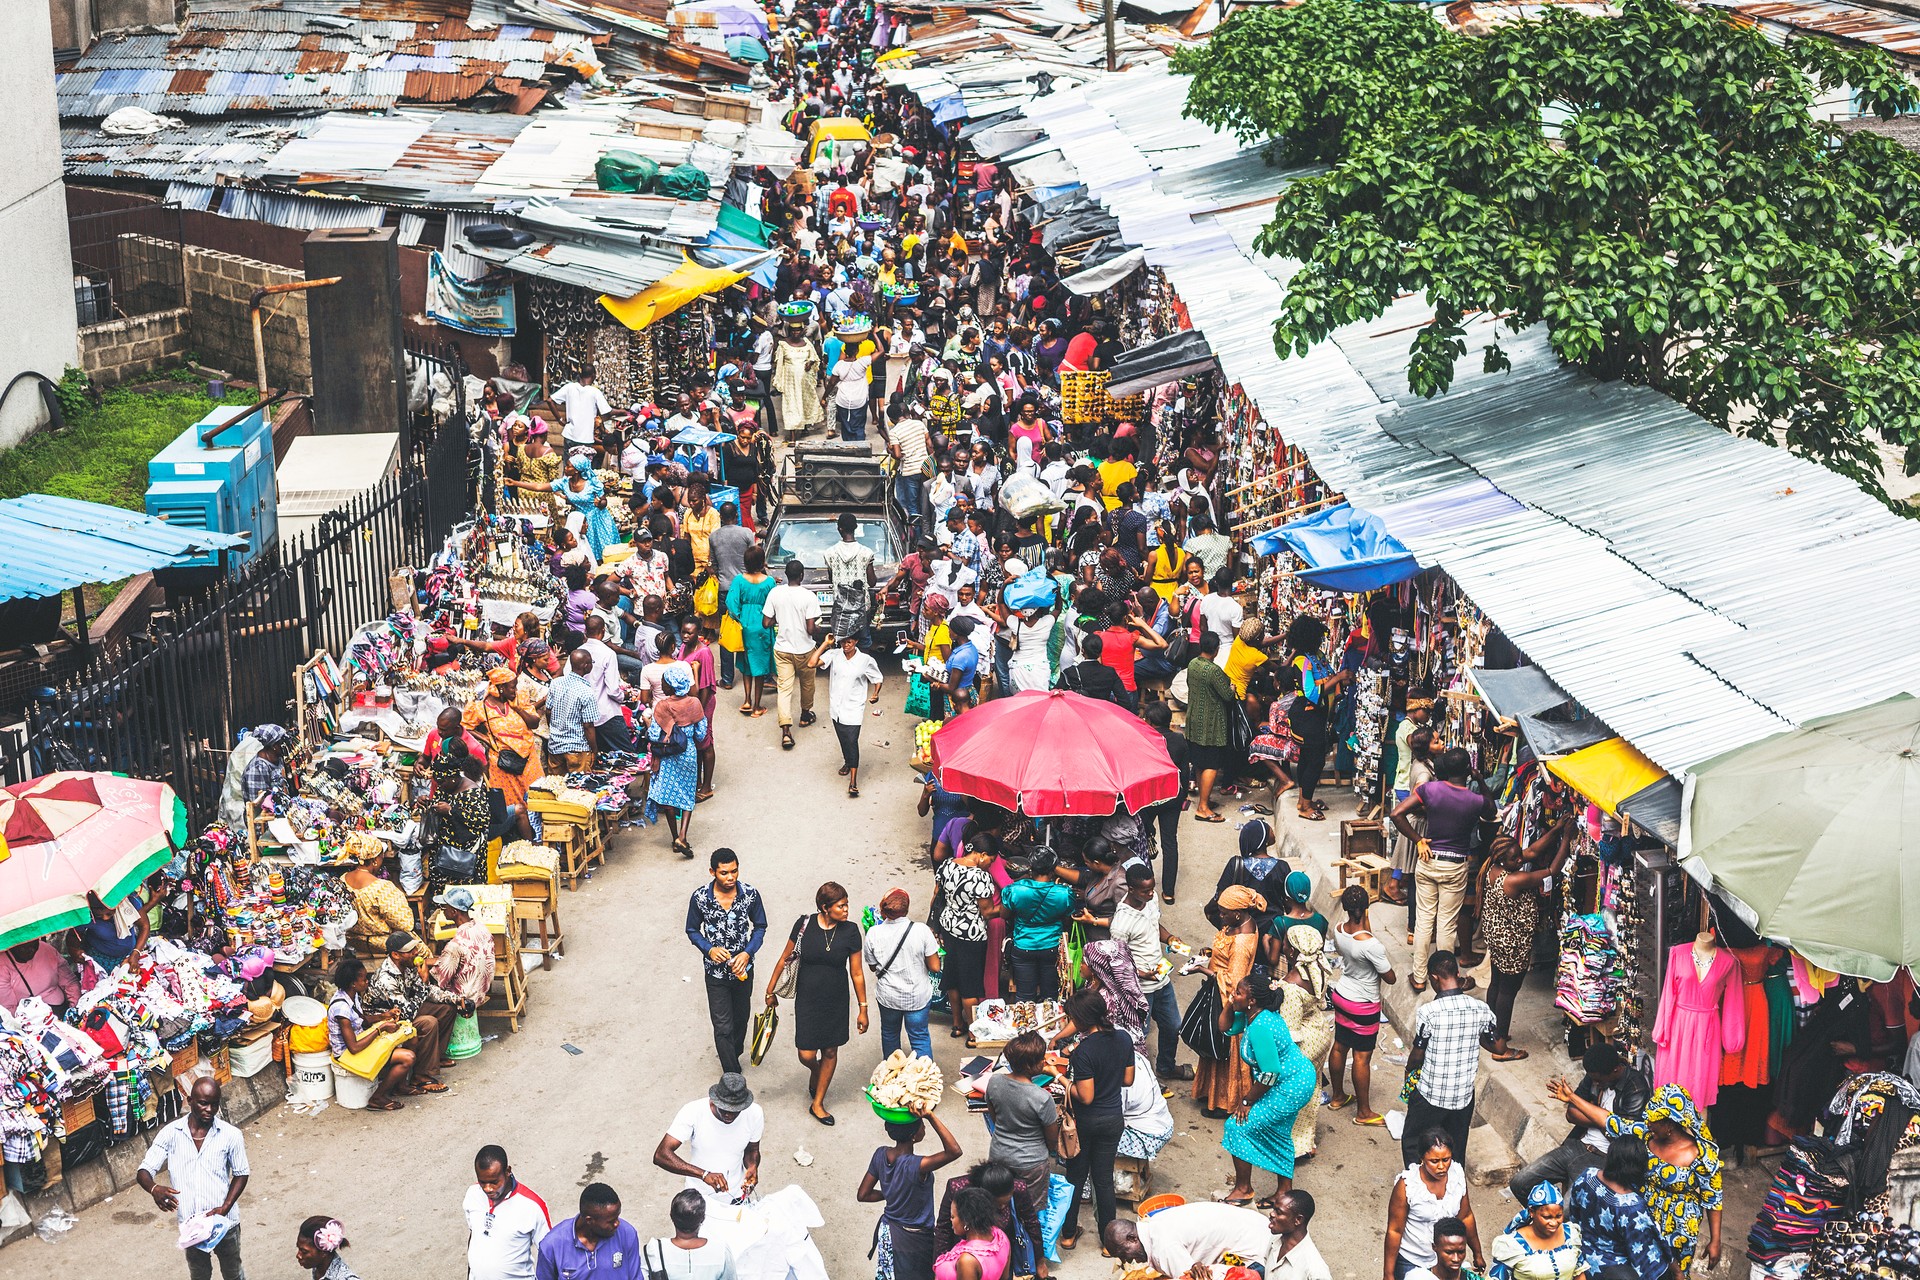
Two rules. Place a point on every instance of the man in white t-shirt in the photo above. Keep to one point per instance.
(853, 683)
(582, 404)
(794, 612)
(851, 391)
(904, 958)
(1220, 612)
(505, 1221)
(714, 1142)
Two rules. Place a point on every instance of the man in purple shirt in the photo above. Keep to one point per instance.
(1452, 810)
(596, 1244)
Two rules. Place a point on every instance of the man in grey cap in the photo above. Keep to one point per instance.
(402, 985)
(714, 1142)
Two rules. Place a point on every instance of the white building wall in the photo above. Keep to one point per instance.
(36, 262)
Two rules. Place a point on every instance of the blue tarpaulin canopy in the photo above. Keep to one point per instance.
(736, 252)
(54, 544)
(1345, 549)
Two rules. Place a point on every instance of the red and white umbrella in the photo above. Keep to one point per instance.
(65, 835)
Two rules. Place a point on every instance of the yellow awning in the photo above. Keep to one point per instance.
(689, 280)
(1606, 772)
(896, 55)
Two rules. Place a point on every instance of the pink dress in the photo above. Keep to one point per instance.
(993, 1254)
(997, 934)
(1699, 1023)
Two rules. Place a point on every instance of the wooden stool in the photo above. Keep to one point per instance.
(508, 996)
(1359, 837)
(1368, 870)
(579, 848)
(536, 909)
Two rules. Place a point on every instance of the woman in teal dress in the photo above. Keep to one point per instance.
(1260, 1132)
(584, 493)
(745, 604)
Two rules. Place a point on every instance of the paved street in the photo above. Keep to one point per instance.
(628, 995)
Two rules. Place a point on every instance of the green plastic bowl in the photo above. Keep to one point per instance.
(894, 1115)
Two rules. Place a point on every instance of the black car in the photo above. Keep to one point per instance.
(818, 484)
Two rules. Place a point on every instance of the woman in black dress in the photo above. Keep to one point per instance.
(827, 949)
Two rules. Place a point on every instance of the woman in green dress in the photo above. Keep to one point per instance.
(745, 604)
(1260, 1132)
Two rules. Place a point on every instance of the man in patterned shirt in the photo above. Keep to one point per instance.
(1448, 1034)
(726, 923)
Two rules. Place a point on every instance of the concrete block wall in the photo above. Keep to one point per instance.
(126, 350)
(112, 1174)
(219, 288)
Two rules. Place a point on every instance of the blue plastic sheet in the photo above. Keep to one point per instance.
(1346, 549)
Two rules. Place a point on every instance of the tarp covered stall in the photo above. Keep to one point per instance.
(1517, 691)
(1345, 549)
(689, 282)
(1103, 276)
(1606, 773)
(1656, 809)
(1814, 836)
(1169, 359)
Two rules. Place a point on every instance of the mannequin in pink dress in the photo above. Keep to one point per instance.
(1703, 1017)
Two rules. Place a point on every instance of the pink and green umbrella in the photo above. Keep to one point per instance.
(70, 834)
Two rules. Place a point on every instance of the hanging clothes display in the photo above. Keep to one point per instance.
(1752, 1064)
(1702, 1018)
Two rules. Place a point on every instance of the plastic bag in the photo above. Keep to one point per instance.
(1024, 496)
(1035, 589)
(626, 172)
(1053, 1215)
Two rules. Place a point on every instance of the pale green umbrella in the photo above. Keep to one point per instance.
(1815, 833)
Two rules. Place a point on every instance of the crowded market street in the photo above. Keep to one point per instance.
(891, 700)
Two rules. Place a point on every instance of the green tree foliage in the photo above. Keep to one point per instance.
(1652, 186)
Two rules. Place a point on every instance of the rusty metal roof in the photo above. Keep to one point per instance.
(312, 55)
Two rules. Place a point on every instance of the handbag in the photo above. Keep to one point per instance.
(453, 864)
(370, 1060)
(1069, 1132)
(1200, 1025)
(919, 696)
(765, 1023)
(507, 760)
(789, 980)
(732, 639)
(673, 744)
(1239, 730)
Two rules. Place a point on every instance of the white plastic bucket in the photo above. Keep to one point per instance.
(311, 1079)
(350, 1091)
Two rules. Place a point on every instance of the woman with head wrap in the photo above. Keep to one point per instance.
(679, 723)
(936, 644)
(1305, 1007)
(1683, 1166)
(381, 906)
(580, 486)
(1541, 1244)
(506, 724)
(1110, 967)
(1281, 1083)
(1220, 1084)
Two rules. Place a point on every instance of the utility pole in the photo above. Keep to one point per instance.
(1113, 59)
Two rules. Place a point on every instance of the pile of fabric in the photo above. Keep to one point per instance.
(1807, 1193)
(1589, 981)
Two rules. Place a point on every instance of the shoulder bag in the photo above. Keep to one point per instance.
(789, 981)
(1200, 1025)
(1069, 1128)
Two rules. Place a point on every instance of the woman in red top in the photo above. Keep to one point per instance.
(1125, 637)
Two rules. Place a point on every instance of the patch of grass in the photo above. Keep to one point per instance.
(101, 454)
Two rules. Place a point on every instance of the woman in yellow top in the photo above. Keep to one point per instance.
(382, 908)
(1246, 656)
(503, 724)
(1166, 564)
(936, 646)
(698, 525)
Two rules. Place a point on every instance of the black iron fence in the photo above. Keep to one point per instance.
(127, 262)
(169, 704)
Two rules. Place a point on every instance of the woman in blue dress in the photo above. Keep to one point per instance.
(1260, 1131)
(745, 604)
(678, 717)
(585, 494)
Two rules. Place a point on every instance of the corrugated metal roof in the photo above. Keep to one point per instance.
(1679, 582)
(318, 55)
(56, 544)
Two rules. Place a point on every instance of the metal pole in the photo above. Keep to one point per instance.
(254, 309)
(1113, 60)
